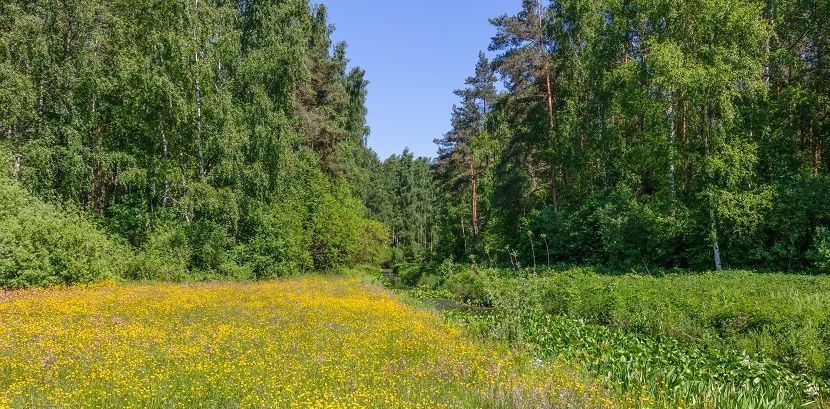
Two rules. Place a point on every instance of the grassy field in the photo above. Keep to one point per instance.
(310, 342)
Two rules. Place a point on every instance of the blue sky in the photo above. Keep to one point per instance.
(415, 54)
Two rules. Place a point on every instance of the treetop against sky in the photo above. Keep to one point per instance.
(415, 54)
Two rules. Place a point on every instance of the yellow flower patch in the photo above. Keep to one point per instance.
(307, 343)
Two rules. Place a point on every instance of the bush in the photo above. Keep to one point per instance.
(410, 274)
(783, 317)
(278, 244)
(776, 315)
(516, 303)
(469, 285)
(820, 252)
(166, 256)
(342, 235)
(43, 245)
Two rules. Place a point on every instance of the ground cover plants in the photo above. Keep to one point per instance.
(735, 339)
(307, 342)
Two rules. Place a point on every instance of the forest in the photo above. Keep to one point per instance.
(201, 136)
(629, 134)
(630, 207)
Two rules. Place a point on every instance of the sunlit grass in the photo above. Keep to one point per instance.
(311, 342)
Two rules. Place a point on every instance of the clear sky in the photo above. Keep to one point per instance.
(415, 54)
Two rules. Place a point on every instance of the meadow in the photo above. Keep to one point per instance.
(307, 342)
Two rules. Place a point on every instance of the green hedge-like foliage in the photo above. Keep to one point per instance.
(42, 245)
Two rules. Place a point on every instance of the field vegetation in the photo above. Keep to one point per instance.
(307, 342)
(150, 143)
(705, 340)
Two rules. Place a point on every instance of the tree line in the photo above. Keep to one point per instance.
(629, 133)
(210, 135)
(229, 136)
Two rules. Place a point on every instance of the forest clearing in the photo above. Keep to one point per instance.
(496, 204)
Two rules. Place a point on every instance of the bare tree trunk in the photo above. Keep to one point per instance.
(765, 69)
(816, 142)
(672, 135)
(715, 243)
(474, 195)
(540, 14)
(17, 159)
(532, 250)
(712, 215)
(554, 187)
(685, 141)
(17, 162)
(164, 145)
(464, 234)
(550, 93)
(185, 210)
(198, 92)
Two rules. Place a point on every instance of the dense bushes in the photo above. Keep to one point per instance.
(782, 317)
(284, 238)
(779, 316)
(165, 256)
(671, 341)
(43, 245)
(341, 235)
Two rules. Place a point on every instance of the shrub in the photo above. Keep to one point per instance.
(516, 303)
(43, 245)
(278, 244)
(409, 274)
(165, 256)
(341, 235)
(820, 252)
(469, 285)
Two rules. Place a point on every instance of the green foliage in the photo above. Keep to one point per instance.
(406, 200)
(221, 139)
(820, 253)
(780, 317)
(470, 286)
(670, 372)
(687, 134)
(342, 236)
(277, 243)
(410, 274)
(43, 245)
(713, 340)
(515, 305)
(165, 256)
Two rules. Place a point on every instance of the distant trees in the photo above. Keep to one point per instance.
(679, 134)
(463, 157)
(406, 200)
